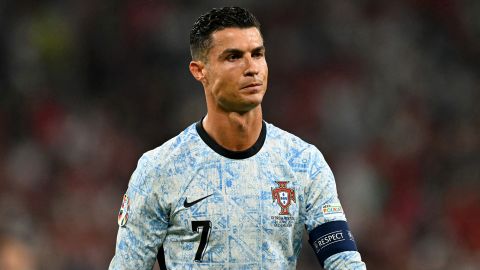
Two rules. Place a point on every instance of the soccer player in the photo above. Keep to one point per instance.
(231, 191)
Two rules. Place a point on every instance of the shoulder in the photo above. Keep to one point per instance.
(187, 139)
(299, 153)
(288, 141)
(155, 167)
(171, 154)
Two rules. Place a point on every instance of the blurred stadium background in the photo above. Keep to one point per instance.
(388, 90)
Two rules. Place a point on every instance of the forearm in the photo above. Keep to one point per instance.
(347, 260)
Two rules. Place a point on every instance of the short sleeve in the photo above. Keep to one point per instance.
(322, 203)
(143, 221)
(330, 237)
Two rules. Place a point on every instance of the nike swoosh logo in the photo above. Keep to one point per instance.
(189, 204)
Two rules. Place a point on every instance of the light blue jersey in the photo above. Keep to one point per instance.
(210, 208)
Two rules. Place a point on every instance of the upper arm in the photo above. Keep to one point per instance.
(329, 234)
(323, 204)
(142, 234)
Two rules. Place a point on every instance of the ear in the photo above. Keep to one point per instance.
(197, 68)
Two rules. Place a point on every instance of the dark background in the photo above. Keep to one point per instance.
(388, 90)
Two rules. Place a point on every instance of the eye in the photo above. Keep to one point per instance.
(258, 54)
(233, 57)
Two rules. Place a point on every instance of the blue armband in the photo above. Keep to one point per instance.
(331, 238)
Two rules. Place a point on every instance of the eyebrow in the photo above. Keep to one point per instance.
(237, 51)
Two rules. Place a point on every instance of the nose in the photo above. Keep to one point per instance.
(251, 67)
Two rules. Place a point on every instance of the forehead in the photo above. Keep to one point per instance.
(243, 39)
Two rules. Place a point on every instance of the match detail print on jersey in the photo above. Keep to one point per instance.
(187, 204)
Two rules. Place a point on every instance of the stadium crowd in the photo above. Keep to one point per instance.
(388, 91)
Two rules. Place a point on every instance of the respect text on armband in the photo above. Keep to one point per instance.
(331, 238)
(328, 239)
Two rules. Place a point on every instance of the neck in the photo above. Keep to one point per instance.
(232, 130)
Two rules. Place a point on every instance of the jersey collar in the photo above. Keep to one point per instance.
(229, 153)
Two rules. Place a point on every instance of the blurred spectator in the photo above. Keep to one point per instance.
(16, 255)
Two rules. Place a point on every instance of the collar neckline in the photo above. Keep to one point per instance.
(229, 153)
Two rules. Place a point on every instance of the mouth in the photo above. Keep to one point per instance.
(252, 85)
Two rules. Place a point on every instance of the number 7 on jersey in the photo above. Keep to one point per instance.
(205, 225)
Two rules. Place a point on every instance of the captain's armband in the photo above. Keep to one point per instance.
(331, 238)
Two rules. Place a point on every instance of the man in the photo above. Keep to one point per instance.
(231, 191)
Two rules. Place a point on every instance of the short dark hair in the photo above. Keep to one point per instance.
(215, 20)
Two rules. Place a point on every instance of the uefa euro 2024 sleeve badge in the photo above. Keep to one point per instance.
(123, 214)
(284, 196)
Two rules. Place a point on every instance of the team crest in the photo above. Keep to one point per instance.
(123, 214)
(283, 196)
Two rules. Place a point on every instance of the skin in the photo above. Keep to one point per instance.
(234, 76)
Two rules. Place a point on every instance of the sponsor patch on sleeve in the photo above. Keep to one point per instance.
(332, 211)
(123, 213)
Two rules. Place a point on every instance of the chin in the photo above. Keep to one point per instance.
(243, 104)
(251, 105)
(241, 108)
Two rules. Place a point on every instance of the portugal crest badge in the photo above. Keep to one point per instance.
(123, 214)
(284, 196)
